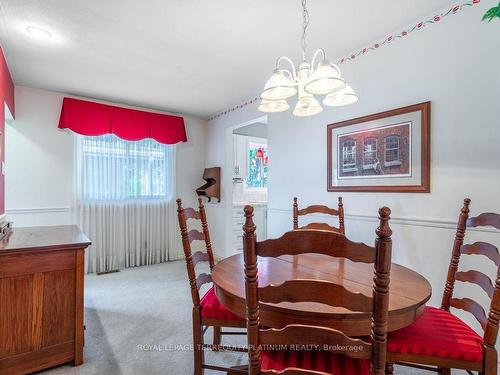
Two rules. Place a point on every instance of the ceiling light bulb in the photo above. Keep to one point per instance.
(346, 96)
(273, 106)
(38, 32)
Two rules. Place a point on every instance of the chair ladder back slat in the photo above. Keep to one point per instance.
(326, 339)
(478, 278)
(455, 256)
(198, 257)
(203, 278)
(319, 209)
(206, 233)
(472, 307)
(482, 248)
(186, 245)
(318, 291)
(320, 226)
(195, 235)
(381, 281)
(191, 213)
(313, 241)
(484, 220)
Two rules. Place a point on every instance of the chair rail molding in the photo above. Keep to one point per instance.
(38, 210)
(412, 221)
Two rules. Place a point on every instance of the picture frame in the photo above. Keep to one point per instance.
(384, 152)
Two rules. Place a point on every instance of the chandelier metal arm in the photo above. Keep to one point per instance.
(318, 51)
(293, 73)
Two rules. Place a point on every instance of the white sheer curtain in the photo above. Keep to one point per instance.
(125, 201)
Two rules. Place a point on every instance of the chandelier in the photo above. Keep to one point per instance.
(320, 77)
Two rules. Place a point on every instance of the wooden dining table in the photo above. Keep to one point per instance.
(408, 291)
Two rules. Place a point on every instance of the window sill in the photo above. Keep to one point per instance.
(392, 163)
(347, 170)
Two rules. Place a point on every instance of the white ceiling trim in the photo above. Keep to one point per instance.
(376, 44)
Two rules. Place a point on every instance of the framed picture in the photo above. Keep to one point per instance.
(384, 152)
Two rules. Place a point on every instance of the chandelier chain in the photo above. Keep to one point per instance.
(305, 23)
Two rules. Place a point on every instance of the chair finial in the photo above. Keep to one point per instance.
(465, 208)
(249, 227)
(384, 230)
(179, 205)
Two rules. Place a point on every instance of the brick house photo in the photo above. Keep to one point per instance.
(379, 152)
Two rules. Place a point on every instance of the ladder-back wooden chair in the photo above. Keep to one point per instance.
(439, 338)
(341, 360)
(319, 209)
(207, 310)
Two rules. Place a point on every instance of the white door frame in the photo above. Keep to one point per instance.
(228, 178)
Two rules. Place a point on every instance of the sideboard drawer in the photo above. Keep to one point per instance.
(24, 263)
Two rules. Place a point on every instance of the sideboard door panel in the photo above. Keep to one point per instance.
(59, 307)
(16, 312)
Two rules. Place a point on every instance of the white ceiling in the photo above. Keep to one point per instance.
(187, 56)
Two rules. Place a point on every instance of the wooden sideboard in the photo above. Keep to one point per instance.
(41, 298)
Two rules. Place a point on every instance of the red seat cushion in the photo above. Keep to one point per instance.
(211, 308)
(315, 361)
(438, 333)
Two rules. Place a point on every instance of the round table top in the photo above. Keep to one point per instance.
(408, 291)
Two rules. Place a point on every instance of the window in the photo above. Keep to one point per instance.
(257, 165)
(392, 150)
(114, 169)
(349, 156)
(370, 153)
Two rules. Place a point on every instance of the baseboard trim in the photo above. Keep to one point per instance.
(408, 221)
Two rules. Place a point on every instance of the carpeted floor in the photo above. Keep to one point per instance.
(139, 322)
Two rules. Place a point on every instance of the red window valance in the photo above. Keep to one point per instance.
(90, 118)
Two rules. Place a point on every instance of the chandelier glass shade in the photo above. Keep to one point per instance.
(307, 106)
(278, 87)
(344, 97)
(320, 77)
(271, 106)
(326, 79)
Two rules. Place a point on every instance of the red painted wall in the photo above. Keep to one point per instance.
(6, 96)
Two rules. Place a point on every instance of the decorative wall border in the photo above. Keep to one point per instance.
(404, 33)
(236, 107)
(374, 46)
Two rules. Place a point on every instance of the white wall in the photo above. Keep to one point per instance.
(454, 64)
(39, 161)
